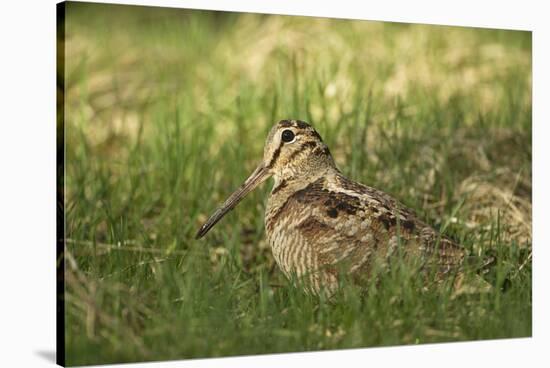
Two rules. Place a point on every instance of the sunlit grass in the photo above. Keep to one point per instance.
(167, 112)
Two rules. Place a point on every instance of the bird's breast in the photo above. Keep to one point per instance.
(293, 253)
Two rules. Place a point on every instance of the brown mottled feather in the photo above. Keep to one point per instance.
(353, 230)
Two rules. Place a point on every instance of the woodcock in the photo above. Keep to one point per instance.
(322, 226)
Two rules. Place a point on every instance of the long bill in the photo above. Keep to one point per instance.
(259, 175)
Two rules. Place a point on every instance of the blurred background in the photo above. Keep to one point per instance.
(166, 112)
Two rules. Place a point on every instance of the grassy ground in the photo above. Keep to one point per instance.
(167, 113)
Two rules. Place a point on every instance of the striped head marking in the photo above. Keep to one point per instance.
(293, 150)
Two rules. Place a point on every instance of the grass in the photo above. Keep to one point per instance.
(167, 112)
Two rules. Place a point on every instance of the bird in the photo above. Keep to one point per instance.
(323, 227)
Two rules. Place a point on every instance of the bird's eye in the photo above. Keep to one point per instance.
(287, 136)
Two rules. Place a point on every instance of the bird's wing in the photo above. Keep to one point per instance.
(354, 224)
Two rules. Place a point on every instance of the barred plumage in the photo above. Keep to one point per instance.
(322, 225)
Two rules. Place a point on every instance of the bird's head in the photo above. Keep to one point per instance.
(293, 150)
